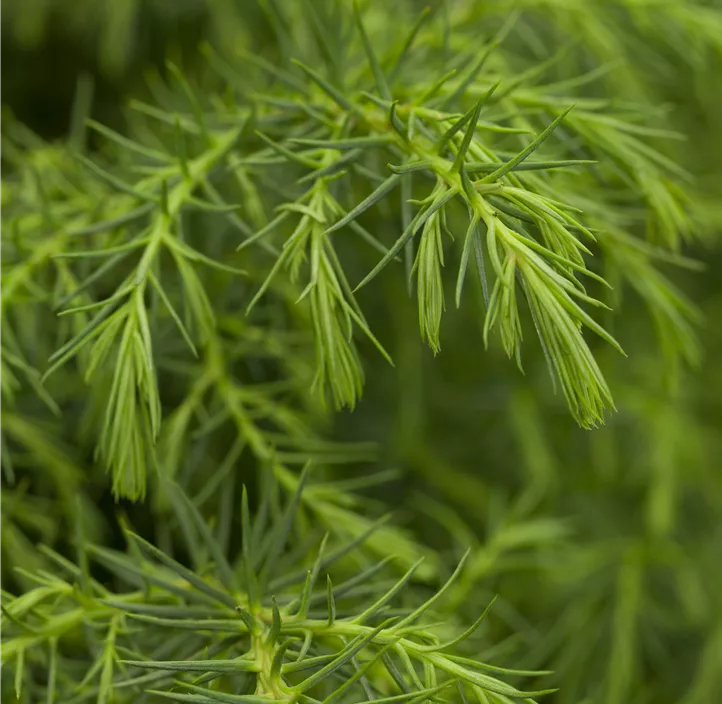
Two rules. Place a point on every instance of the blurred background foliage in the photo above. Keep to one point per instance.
(605, 546)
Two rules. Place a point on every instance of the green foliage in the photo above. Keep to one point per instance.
(253, 629)
(194, 299)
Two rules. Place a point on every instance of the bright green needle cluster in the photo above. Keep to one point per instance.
(351, 150)
(255, 628)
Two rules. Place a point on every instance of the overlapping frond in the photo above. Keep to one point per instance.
(267, 624)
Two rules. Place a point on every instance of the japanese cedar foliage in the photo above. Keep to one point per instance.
(193, 303)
